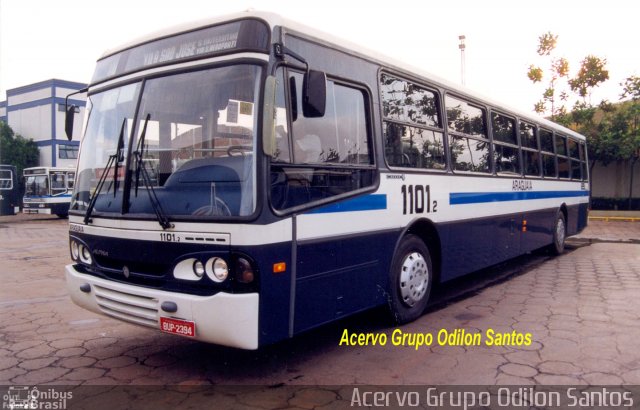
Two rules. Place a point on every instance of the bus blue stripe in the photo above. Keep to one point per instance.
(372, 202)
(462, 198)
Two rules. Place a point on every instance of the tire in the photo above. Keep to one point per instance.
(559, 234)
(410, 279)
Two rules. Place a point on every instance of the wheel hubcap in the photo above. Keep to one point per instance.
(560, 232)
(414, 279)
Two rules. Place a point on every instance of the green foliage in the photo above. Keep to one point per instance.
(17, 150)
(547, 43)
(592, 73)
(535, 74)
(631, 88)
(558, 68)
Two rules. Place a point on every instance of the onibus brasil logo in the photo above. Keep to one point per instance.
(25, 397)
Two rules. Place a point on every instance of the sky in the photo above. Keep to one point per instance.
(44, 39)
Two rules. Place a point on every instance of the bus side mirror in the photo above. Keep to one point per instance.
(315, 94)
(269, 117)
(70, 113)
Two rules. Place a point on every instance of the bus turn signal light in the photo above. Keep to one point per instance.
(279, 267)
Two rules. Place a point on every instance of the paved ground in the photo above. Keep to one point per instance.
(582, 310)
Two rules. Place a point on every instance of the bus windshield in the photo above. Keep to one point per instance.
(37, 185)
(193, 148)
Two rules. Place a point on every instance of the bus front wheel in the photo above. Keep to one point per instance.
(411, 277)
(559, 234)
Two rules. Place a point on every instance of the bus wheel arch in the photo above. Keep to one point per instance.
(412, 271)
(427, 232)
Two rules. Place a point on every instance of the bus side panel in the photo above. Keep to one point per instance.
(577, 218)
(466, 248)
(539, 229)
(341, 276)
(474, 244)
(275, 290)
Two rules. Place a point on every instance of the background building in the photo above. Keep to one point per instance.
(36, 112)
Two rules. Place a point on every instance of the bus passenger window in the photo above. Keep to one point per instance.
(530, 155)
(413, 147)
(464, 118)
(469, 154)
(549, 166)
(413, 134)
(531, 163)
(468, 141)
(548, 154)
(505, 148)
(546, 141)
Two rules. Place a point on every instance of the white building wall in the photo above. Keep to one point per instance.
(34, 123)
(29, 96)
(45, 157)
(612, 181)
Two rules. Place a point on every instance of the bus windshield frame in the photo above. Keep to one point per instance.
(188, 139)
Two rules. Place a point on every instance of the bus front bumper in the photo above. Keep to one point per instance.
(224, 318)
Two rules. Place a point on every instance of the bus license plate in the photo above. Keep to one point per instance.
(178, 327)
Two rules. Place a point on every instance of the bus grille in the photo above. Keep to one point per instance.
(141, 310)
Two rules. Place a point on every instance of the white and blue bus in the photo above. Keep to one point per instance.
(48, 190)
(9, 190)
(245, 179)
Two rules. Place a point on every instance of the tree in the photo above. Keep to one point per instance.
(17, 150)
(592, 73)
(558, 68)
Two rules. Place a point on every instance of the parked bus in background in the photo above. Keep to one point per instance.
(48, 190)
(9, 190)
(245, 179)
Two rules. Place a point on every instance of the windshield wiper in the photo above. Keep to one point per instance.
(161, 216)
(113, 160)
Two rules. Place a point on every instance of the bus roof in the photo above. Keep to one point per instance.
(275, 20)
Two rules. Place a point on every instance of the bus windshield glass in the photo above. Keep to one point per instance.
(193, 152)
(37, 185)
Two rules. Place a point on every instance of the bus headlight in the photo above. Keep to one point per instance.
(85, 254)
(217, 269)
(198, 268)
(75, 251)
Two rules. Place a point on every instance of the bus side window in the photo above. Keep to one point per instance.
(548, 154)
(505, 144)
(468, 140)
(413, 135)
(321, 157)
(530, 148)
(340, 136)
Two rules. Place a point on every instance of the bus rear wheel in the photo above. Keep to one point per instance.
(410, 278)
(559, 234)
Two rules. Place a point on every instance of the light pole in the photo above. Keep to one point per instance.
(462, 46)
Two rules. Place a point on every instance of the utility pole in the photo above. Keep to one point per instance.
(462, 46)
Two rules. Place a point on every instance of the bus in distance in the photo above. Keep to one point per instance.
(48, 190)
(248, 178)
